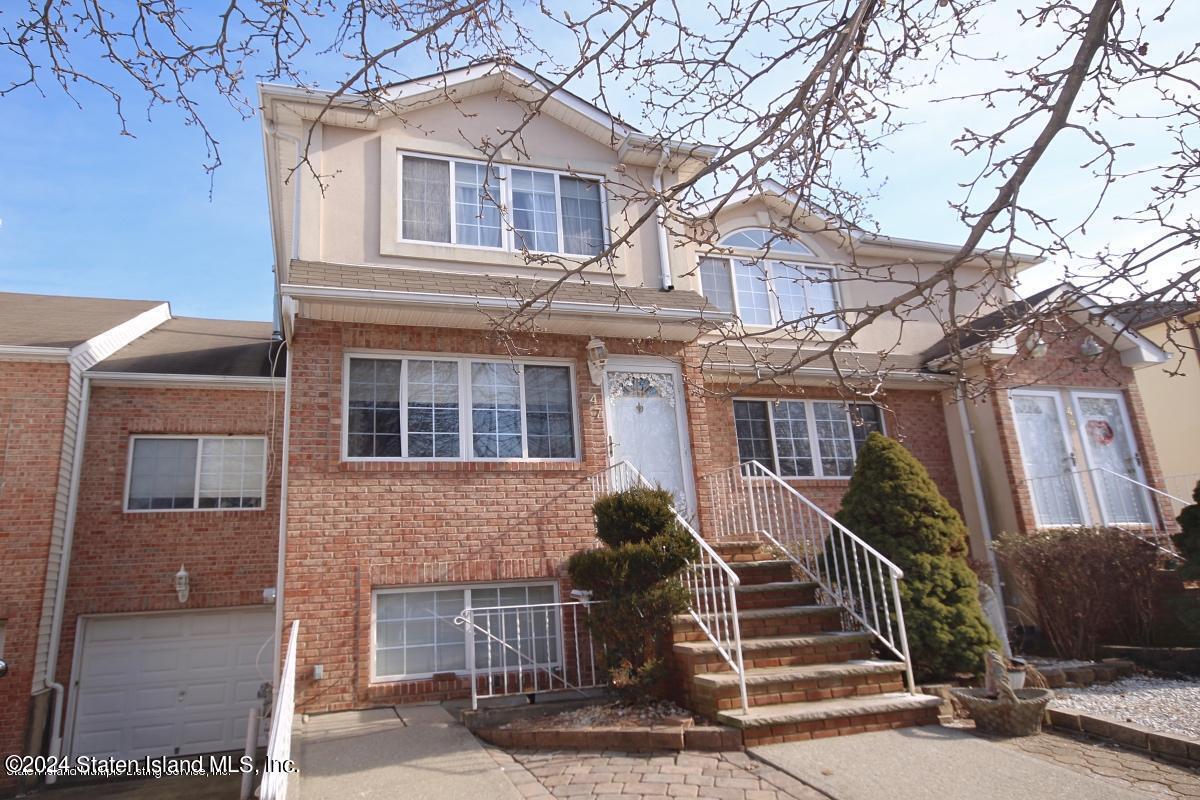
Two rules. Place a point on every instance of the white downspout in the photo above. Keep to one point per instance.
(664, 260)
(281, 560)
(64, 568)
(985, 524)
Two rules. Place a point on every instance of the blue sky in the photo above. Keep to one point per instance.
(86, 211)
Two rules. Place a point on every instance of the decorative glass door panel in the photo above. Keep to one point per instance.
(1047, 459)
(645, 409)
(1111, 453)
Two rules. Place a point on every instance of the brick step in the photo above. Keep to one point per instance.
(694, 658)
(740, 550)
(791, 722)
(756, 572)
(776, 594)
(720, 691)
(756, 622)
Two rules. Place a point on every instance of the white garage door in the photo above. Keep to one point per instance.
(170, 684)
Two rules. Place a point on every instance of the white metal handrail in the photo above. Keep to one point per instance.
(525, 649)
(711, 583)
(751, 499)
(279, 740)
(1063, 490)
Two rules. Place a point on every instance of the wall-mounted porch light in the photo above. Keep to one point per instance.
(597, 358)
(1091, 347)
(182, 581)
(1035, 345)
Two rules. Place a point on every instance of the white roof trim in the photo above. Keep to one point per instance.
(500, 303)
(23, 352)
(165, 379)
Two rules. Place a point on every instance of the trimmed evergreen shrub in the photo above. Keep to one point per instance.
(634, 515)
(636, 576)
(893, 505)
(1188, 538)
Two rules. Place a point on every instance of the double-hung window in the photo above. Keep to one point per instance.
(453, 201)
(415, 635)
(760, 292)
(196, 472)
(804, 438)
(458, 409)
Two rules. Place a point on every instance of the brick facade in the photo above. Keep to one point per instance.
(33, 401)
(126, 562)
(1064, 367)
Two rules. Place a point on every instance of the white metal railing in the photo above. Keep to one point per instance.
(711, 583)
(1122, 502)
(749, 499)
(279, 740)
(1179, 489)
(525, 649)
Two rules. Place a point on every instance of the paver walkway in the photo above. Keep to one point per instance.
(1112, 764)
(612, 776)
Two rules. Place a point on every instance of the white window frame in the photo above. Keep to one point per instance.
(466, 449)
(465, 588)
(811, 423)
(764, 263)
(508, 231)
(195, 508)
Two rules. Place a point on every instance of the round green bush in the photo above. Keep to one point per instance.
(634, 515)
(893, 505)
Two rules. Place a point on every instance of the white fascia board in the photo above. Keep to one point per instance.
(101, 347)
(19, 352)
(499, 303)
(904, 376)
(179, 381)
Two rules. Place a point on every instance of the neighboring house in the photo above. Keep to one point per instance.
(415, 462)
(1171, 392)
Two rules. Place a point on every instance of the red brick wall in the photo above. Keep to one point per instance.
(917, 418)
(32, 413)
(1064, 366)
(357, 526)
(123, 562)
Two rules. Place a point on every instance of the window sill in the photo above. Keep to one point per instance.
(569, 467)
(188, 510)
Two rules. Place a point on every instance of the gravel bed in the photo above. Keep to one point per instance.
(1160, 704)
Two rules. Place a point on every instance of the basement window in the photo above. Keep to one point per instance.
(183, 473)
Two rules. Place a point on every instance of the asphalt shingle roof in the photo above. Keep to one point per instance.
(192, 346)
(40, 320)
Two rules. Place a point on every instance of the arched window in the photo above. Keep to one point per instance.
(775, 287)
(760, 238)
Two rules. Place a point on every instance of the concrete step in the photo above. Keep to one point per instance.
(699, 657)
(756, 622)
(740, 550)
(789, 722)
(776, 594)
(713, 692)
(757, 572)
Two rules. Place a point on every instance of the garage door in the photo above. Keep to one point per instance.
(169, 684)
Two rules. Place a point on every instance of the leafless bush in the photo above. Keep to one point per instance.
(1085, 585)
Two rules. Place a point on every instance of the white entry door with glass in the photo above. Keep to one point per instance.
(1081, 460)
(647, 424)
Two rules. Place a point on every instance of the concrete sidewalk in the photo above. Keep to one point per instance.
(414, 752)
(931, 763)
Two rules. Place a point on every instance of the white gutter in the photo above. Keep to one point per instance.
(281, 559)
(64, 568)
(664, 260)
(501, 303)
(34, 353)
(985, 525)
(170, 379)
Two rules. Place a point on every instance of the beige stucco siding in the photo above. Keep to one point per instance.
(1172, 403)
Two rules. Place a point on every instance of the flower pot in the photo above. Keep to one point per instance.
(1003, 717)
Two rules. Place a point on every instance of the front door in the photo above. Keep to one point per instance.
(1047, 458)
(1111, 453)
(647, 424)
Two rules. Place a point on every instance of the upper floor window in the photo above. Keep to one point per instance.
(190, 472)
(804, 438)
(461, 202)
(458, 409)
(765, 239)
(761, 292)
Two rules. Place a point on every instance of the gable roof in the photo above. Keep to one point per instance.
(1066, 298)
(1144, 314)
(194, 346)
(54, 321)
